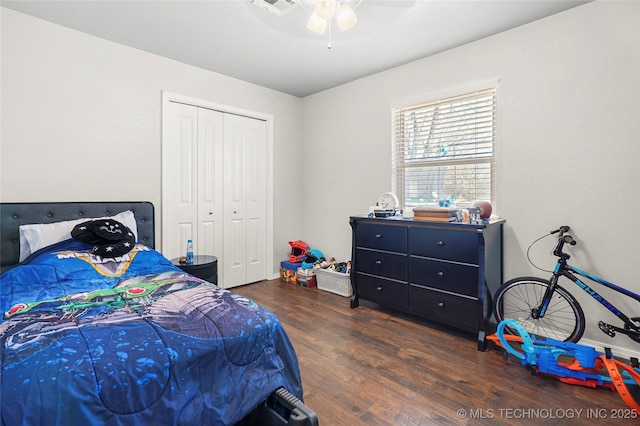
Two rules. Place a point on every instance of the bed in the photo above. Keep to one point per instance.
(130, 339)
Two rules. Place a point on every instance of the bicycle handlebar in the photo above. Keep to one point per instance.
(563, 239)
(562, 230)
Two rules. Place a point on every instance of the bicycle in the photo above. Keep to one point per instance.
(546, 309)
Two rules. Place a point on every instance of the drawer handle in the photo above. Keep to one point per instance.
(379, 288)
(378, 236)
(440, 274)
(440, 243)
(378, 262)
(440, 304)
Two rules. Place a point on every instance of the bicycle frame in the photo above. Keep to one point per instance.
(568, 271)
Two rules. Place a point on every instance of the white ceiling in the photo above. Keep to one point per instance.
(238, 39)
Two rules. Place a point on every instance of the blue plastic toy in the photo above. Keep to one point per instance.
(587, 367)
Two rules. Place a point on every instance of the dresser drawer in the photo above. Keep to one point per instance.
(385, 292)
(384, 264)
(459, 246)
(457, 311)
(382, 237)
(452, 277)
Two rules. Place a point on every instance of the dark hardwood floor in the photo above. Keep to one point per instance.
(371, 366)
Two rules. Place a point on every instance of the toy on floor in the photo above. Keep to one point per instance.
(299, 250)
(580, 365)
(312, 259)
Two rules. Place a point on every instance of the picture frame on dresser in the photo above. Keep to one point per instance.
(444, 272)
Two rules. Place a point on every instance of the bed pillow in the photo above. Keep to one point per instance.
(35, 236)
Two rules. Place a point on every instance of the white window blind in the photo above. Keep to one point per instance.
(444, 150)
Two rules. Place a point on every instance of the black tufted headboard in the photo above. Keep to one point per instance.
(13, 215)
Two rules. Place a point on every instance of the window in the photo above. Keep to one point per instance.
(444, 150)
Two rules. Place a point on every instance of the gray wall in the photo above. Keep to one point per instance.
(568, 146)
(81, 120)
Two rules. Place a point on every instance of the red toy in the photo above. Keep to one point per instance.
(299, 250)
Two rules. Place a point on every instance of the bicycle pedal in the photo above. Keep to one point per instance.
(607, 328)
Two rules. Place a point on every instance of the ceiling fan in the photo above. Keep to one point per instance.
(324, 14)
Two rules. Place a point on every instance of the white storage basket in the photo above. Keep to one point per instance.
(334, 282)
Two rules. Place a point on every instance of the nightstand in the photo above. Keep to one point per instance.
(203, 267)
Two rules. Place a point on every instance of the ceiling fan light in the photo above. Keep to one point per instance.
(317, 24)
(326, 9)
(346, 17)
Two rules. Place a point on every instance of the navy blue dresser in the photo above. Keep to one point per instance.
(443, 272)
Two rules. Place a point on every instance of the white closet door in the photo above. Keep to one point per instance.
(208, 240)
(256, 199)
(192, 181)
(244, 200)
(180, 172)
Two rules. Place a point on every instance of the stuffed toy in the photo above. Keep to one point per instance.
(108, 237)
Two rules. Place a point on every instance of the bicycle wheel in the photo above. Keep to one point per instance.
(517, 298)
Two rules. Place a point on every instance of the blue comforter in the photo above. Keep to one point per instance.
(132, 341)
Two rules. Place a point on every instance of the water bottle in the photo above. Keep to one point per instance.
(189, 252)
